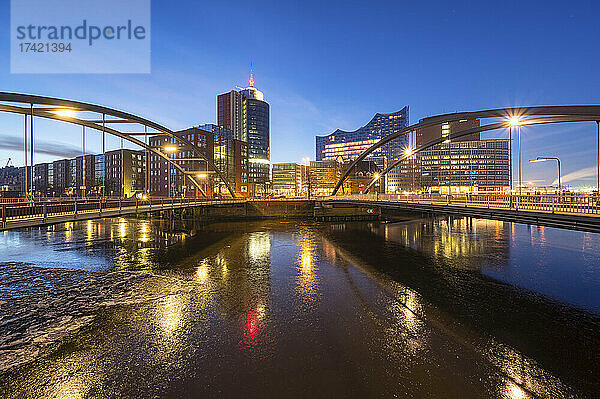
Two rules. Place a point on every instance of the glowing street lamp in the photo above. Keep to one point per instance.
(68, 113)
(515, 121)
(170, 149)
(541, 159)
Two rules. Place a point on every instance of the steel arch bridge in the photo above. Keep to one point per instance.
(513, 116)
(29, 105)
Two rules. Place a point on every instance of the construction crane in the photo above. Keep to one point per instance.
(8, 162)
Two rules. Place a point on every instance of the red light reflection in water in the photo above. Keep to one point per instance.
(252, 330)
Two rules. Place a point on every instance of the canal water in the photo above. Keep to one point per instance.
(440, 308)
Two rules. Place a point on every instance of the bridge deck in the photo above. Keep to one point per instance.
(570, 212)
(21, 215)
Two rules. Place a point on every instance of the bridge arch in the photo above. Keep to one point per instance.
(547, 114)
(58, 104)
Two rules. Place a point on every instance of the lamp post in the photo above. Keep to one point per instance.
(510, 158)
(408, 153)
(169, 149)
(541, 159)
(516, 121)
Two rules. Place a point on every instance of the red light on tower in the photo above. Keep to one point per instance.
(251, 80)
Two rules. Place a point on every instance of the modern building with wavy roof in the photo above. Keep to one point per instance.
(348, 145)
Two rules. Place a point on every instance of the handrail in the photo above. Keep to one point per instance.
(77, 208)
(571, 204)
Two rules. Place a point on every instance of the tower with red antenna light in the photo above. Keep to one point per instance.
(246, 113)
(251, 80)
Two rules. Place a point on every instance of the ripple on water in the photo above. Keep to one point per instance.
(39, 307)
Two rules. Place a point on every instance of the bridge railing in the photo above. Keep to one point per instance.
(553, 203)
(45, 209)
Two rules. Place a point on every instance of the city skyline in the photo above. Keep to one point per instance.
(310, 99)
(299, 199)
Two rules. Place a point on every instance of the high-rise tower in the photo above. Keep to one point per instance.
(253, 115)
(229, 113)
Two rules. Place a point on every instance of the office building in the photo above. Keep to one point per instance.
(466, 166)
(349, 145)
(463, 164)
(229, 155)
(125, 175)
(60, 169)
(324, 175)
(87, 184)
(290, 180)
(430, 133)
(40, 179)
(404, 177)
(71, 187)
(254, 116)
(229, 113)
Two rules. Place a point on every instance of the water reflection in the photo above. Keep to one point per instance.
(259, 246)
(444, 272)
(552, 262)
(307, 269)
(357, 309)
(513, 391)
(170, 314)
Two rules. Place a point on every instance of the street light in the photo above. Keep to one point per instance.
(66, 112)
(515, 121)
(171, 149)
(541, 159)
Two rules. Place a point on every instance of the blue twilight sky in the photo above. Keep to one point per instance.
(333, 64)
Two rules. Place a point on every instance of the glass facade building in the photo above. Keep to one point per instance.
(349, 145)
(229, 155)
(229, 113)
(247, 114)
(255, 114)
(465, 166)
(290, 179)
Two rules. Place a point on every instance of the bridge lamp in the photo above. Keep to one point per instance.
(170, 149)
(542, 159)
(376, 176)
(68, 113)
(408, 152)
(515, 121)
(202, 175)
